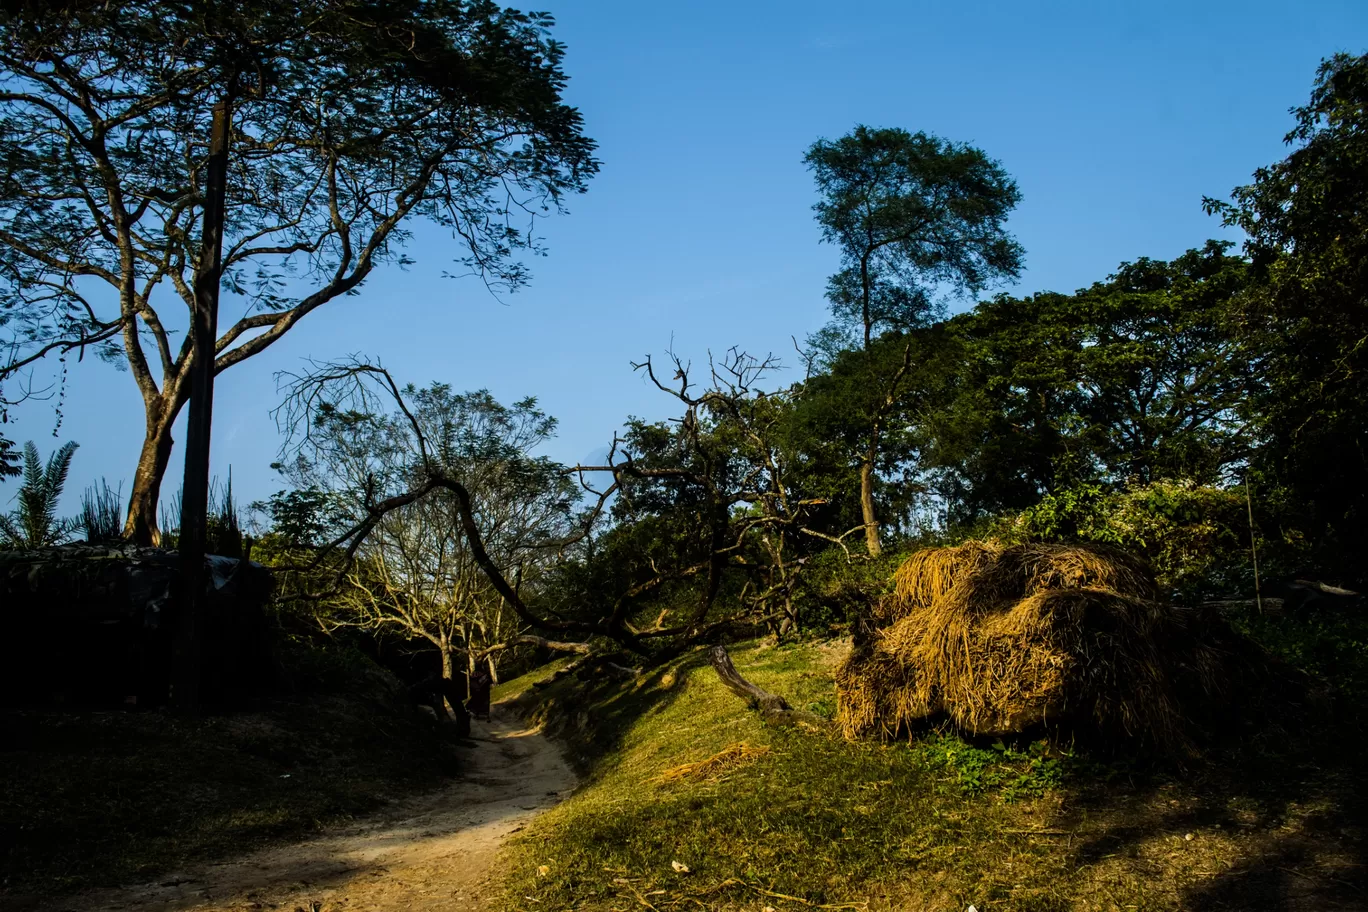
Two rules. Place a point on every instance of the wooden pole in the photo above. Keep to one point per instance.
(1253, 544)
(186, 659)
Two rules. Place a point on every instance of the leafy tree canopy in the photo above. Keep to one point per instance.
(1305, 323)
(350, 119)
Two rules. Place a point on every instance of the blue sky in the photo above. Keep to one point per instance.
(1114, 118)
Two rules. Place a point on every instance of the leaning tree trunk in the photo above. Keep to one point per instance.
(773, 708)
(141, 526)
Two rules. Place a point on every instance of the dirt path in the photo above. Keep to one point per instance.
(436, 853)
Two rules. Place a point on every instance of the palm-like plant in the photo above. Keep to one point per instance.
(9, 460)
(35, 523)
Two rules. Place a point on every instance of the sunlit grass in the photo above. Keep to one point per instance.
(811, 820)
(814, 818)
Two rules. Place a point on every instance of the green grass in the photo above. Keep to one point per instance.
(96, 798)
(515, 687)
(937, 823)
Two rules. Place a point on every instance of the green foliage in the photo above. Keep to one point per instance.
(838, 588)
(1009, 770)
(34, 523)
(910, 214)
(300, 518)
(836, 407)
(1305, 321)
(1131, 380)
(1196, 538)
(1330, 644)
(9, 460)
(482, 77)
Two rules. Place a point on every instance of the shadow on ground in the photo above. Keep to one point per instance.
(1280, 816)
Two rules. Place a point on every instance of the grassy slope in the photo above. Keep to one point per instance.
(935, 824)
(100, 798)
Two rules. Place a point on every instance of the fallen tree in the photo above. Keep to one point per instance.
(773, 708)
(747, 520)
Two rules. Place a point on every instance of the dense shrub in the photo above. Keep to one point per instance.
(1195, 537)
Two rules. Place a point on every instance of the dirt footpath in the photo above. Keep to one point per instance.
(434, 853)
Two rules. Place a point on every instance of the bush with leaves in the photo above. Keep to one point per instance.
(1196, 537)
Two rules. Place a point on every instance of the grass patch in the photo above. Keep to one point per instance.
(811, 816)
(514, 688)
(801, 819)
(100, 798)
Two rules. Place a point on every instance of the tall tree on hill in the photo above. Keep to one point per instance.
(1306, 321)
(915, 217)
(350, 120)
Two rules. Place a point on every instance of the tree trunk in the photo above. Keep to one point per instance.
(790, 622)
(867, 505)
(141, 526)
(451, 691)
(186, 665)
(773, 708)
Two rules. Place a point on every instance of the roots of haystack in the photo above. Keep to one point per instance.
(1006, 639)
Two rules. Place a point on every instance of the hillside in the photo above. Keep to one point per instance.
(805, 820)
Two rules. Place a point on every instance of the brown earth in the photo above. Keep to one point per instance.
(435, 852)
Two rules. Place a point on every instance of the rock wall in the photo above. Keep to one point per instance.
(90, 625)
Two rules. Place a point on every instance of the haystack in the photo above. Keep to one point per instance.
(929, 574)
(1006, 639)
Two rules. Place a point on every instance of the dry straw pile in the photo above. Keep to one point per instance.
(1002, 639)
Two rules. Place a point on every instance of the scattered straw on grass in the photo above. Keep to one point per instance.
(723, 761)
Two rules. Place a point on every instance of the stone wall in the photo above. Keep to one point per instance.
(90, 625)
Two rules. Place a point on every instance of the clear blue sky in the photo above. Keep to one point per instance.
(1115, 118)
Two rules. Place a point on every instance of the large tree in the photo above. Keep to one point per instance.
(1131, 380)
(916, 218)
(1305, 323)
(351, 120)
